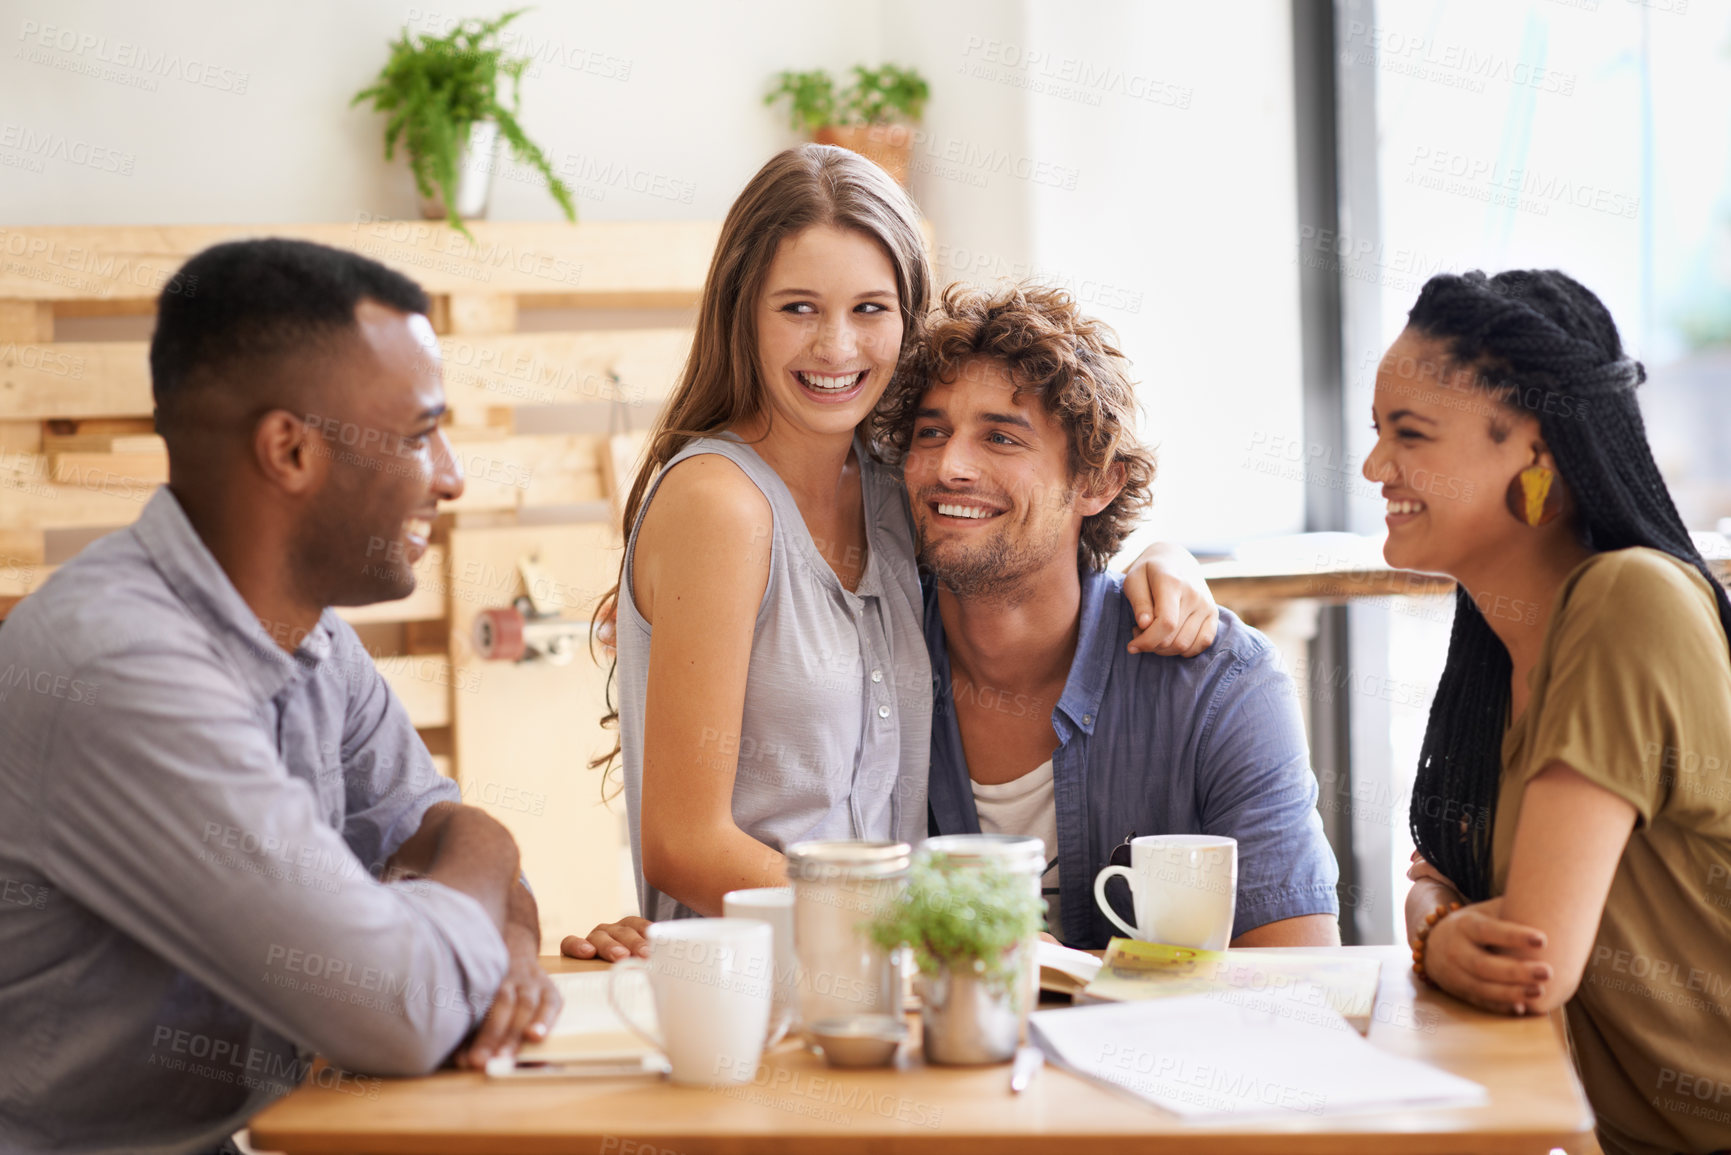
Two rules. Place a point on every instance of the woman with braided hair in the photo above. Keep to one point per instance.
(1572, 810)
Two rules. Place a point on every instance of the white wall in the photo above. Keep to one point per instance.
(1176, 221)
(972, 138)
(664, 96)
(1139, 153)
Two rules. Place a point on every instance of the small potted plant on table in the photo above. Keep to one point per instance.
(441, 94)
(872, 116)
(973, 928)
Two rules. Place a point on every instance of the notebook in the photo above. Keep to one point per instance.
(588, 1037)
(1065, 971)
(1132, 971)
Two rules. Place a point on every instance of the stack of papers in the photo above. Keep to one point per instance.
(1203, 1058)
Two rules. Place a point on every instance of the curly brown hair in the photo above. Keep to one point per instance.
(1069, 360)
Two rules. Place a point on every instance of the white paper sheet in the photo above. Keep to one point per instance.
(1203, 1058)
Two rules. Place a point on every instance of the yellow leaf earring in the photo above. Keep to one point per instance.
(1534, 496)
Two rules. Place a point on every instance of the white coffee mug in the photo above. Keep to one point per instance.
(712, 979)
(1184, 888)
(774, 905)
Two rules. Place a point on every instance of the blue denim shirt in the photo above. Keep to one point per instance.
(1153, 745)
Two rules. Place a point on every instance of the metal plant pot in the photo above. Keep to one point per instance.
(476, 161)
(967, 1021)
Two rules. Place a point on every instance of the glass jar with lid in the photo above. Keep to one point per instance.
(839, 888)
(1020, 854)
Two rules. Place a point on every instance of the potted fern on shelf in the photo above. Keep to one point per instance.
(442, 97)
(973, 926)
(872, 116)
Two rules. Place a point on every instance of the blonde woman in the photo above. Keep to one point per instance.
(773, 680)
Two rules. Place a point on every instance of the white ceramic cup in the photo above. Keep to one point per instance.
(774, 905)
(1184, 888)
(712, 981)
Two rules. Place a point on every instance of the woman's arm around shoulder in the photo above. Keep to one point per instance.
(1176, 615)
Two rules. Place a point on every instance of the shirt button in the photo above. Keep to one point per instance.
(883, 711)
(1087, 719)
(877, 675)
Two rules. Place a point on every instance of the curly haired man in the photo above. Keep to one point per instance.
(1016, 437)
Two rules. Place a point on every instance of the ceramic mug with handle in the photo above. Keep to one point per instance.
(1184, 888)
(713, 982)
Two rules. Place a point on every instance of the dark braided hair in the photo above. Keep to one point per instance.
(1541, 342)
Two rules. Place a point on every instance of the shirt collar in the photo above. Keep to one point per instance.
(195, 577)
(1092, 665)
(873, 508)
(1089, 669)
(881, 502)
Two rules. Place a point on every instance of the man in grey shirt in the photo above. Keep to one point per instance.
(223, 847)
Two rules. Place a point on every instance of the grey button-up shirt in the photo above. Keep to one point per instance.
(838, 704)
(191, 825)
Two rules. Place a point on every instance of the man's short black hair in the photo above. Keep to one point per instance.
(258, 303)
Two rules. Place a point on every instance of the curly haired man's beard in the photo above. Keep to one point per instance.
(996, 569)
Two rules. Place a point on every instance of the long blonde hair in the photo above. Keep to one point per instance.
(720, 386)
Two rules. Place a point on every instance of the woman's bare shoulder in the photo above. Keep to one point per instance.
(709, 528)
(706, 494)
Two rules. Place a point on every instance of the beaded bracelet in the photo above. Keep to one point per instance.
(1430, 921)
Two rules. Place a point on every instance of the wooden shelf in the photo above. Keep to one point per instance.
(109, 269)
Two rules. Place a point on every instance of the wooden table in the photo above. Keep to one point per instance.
(798, 1105)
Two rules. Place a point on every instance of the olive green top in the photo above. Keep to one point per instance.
(1632, 691)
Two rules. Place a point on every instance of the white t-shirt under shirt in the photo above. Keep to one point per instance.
(1026, 806)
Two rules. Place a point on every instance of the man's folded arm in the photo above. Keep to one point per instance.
(389, 780)
(169, 814)
(399, 808)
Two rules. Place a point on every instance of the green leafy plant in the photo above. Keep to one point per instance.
(883, 95)
(435, 88)
(810, 97)
(968, 917)
(886, 94)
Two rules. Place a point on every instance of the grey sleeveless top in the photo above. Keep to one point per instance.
(836, 737)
